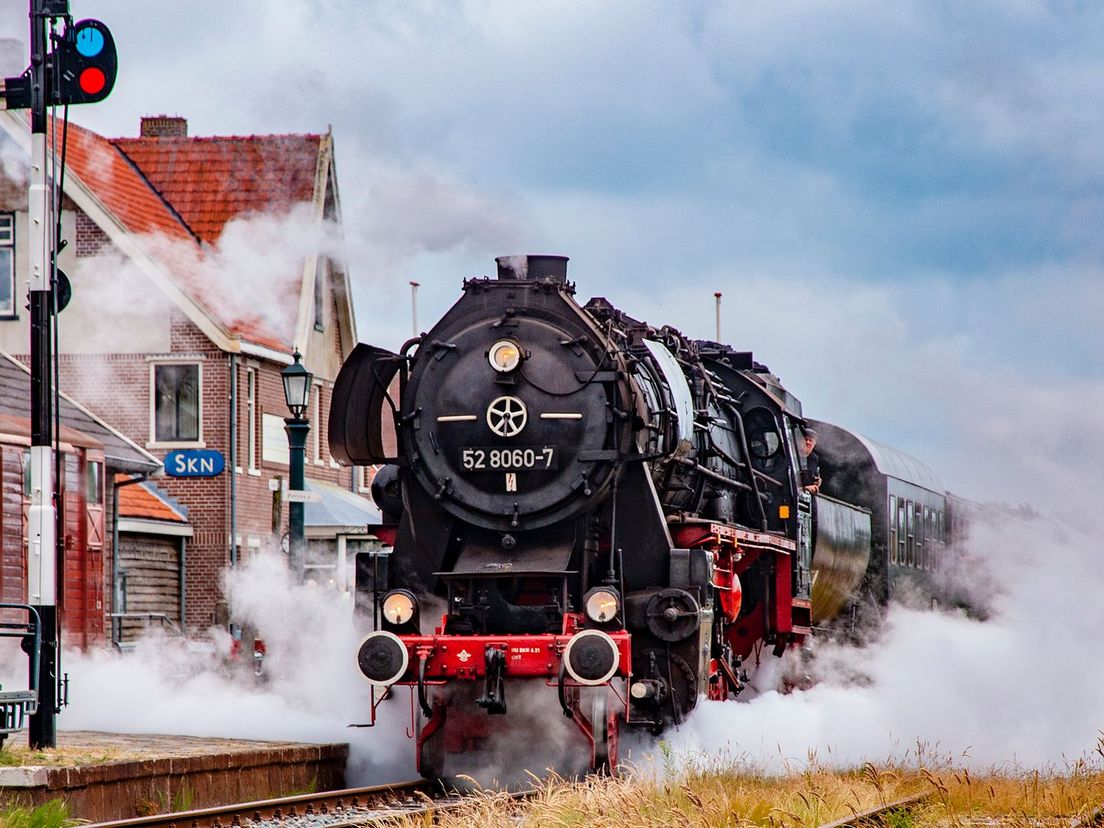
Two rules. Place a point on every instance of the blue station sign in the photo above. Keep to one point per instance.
(194, 463)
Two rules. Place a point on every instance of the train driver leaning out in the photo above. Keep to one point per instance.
(810, 475)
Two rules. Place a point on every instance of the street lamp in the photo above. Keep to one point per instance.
(297, 387)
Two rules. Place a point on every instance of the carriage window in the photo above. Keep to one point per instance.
(93, 481)
(911, 529)
(902, 536)
(930, 537)
(920, 559)
(893, 529)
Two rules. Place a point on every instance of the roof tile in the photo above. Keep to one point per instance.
(145, 501)
(184, 191)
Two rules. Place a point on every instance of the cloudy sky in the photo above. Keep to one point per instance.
(901, 202)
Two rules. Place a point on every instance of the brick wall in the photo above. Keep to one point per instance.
(117, 387)
(89, 237)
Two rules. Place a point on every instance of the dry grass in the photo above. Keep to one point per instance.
(716, 794)
(1013, 797)
(19, 756)
(712, 795)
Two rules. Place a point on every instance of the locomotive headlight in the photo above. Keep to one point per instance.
(601, 605)
(398, 607)
(504, 356)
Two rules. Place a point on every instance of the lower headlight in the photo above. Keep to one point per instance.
(591, 657)
(399, 607)
(382, 658)
(601, 605)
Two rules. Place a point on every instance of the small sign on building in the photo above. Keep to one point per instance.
(194, 463)
(297, 496)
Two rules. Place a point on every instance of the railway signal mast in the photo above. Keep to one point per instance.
(80, 68)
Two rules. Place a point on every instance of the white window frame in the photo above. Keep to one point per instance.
(272, 426)
(316, 424)
(153, 442)
(8, 243)
(251, 420)
(320, 298)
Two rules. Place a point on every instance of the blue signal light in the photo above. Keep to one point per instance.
(90, 41)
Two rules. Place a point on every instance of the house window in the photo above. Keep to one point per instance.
(176, 403)
(251, 417)
(319, 300)
(274, 441)
(7, 264)
(93, 483)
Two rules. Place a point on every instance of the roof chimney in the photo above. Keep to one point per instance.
(164, 126)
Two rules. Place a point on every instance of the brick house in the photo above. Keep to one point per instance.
(198, 265)
(91, 453)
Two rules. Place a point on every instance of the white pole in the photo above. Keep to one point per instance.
(414, 306)
(717, 297)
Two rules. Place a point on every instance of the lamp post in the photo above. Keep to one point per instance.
(297, 387)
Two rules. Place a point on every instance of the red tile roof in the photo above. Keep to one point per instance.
(119, 186)
(138, 501)
(175, 193)
(209, 181)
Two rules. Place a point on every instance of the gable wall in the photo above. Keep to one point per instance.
(115, 308)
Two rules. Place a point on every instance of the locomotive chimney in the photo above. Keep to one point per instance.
(539, 268)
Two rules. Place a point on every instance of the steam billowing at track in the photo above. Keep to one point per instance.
(968, 323)
(1016, 687)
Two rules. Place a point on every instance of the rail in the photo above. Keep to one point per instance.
(332, 808)
(878, 816)
(117, 619)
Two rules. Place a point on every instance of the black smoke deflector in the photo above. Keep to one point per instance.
(361, 394)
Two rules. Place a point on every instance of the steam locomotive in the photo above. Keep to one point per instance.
(603, 515)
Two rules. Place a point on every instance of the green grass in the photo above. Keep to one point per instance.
(52, 814)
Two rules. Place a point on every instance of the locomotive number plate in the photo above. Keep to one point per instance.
(531, 458)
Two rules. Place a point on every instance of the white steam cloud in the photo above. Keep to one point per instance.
(1019, 688)
(256, 266)
(311, 690)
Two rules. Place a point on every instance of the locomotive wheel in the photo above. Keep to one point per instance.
(678, 676)
(607, 730)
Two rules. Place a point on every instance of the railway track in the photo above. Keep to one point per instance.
(330, 809)
(878, 816)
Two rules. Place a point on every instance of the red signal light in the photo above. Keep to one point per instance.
(92, 80)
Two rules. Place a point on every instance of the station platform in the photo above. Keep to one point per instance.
(108, 776)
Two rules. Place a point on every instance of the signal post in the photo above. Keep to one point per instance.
(80, 69)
